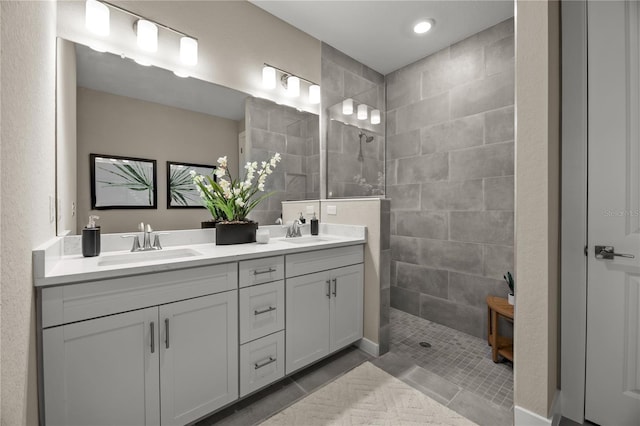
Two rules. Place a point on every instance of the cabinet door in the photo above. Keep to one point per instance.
(198, 356)
(103, 371)
(346, 306)
(307, 320)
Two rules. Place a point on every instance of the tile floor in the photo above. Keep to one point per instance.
(456, 371)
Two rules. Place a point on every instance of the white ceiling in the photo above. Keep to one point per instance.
(380, 33)
(110, 73)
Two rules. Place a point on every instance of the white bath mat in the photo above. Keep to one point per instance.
(367, 396)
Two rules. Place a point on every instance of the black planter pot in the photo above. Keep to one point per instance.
(208, 224)
(235, 233)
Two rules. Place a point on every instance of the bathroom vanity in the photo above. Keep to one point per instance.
(169, 340)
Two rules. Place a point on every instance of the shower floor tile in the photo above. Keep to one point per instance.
(458, 357)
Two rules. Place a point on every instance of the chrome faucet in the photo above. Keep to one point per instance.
(146, 245)
(294, 229)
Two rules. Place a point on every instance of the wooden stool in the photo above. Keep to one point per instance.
(500, 345)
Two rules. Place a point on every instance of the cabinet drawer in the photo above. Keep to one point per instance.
(261, 310)
(77, 302)
(258, 271)
(321, 260)
(261, 362)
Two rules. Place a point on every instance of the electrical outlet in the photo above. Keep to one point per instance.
(332, 210)
(52, 209)
(310, 209)
(73, 209)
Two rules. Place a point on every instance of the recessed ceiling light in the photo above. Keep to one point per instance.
(423, 26)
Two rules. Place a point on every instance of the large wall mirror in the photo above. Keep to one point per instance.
(119, 109)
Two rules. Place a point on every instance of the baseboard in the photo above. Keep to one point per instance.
(368, 346)
(524, 417)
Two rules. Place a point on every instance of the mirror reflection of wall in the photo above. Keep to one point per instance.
(295, 135)
(121, 108)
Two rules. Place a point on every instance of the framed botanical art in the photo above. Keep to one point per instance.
(122, 182)
(181, 191)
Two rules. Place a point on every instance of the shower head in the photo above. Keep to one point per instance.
(368, 138)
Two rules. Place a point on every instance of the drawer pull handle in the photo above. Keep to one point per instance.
(329, 289)
(258, 365)
(264, 311)
(153, 337)
(266, 271)
(166, 326)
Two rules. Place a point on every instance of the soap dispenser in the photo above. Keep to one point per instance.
(91, 238)
(314, 225)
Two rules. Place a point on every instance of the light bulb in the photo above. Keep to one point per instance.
(142, 62)
(96, 18)
(314, 94)
(422, 26)
(268, 77)
(293, 86)
(147, 33)
(375, 116)
(347, 106)
(362, 112)
(189, 50)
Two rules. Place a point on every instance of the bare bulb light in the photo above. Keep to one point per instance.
(347, 106)
(375, 116)
(96, 18)
(147, 33)
(189, 51)
(268, 77)
(362, 112)
(314, 94)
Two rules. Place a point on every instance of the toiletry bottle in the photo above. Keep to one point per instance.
(302, 219)
(91, 238)
(314, 225)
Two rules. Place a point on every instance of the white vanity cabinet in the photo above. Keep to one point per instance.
(324, 309)
(168, 364)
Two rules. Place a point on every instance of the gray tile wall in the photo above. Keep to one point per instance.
(272, 128)
(450, 167)
(343, 77)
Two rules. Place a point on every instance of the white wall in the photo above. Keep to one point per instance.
(537, 205)
(116, 125)
(27, 157)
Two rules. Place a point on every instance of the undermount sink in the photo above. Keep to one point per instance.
(146, 256)
(304, 240)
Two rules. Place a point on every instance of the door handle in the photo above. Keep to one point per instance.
(335, 287)
(153, 339)
(328, 289)
(608, 253)
(166, 330)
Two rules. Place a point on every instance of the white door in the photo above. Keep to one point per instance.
(346, 306)
(307, 319)
(613, 295)
(103, 371)
(198, 356)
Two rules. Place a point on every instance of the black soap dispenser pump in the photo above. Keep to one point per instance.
(314, 225)
(91, 238)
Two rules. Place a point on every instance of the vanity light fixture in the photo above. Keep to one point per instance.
(375, 116)
(423, 26)
(314, 94)
(268, 77)
(147, 33)
(97, 21)
(189, 50)
(362, 112)
(347, 106)
(96, 18)
(293, 86)
(290, 82)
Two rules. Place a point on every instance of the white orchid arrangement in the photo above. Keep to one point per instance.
(231, 199)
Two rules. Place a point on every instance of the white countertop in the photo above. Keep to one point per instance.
(69, 269)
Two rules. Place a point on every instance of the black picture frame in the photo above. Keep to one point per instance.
(123, 182)
(178, 176)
